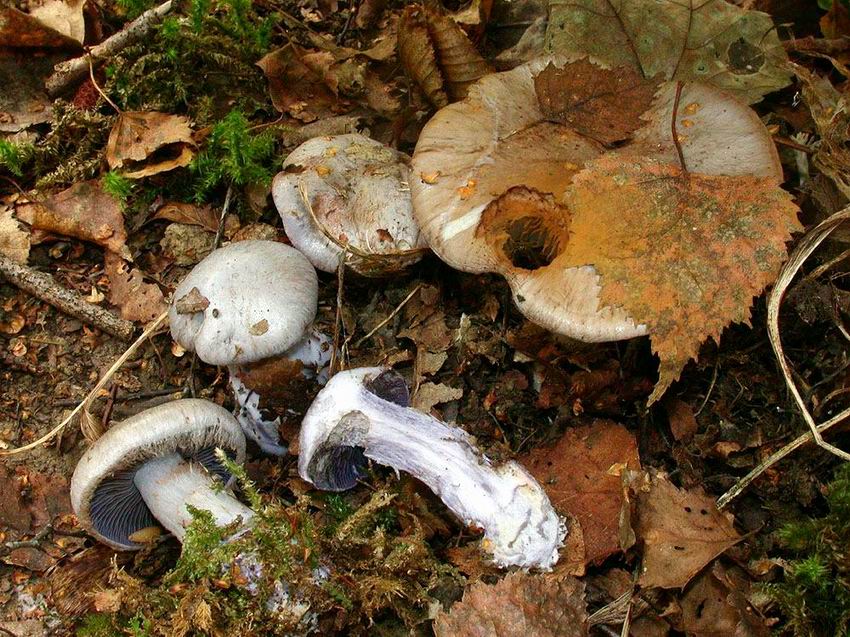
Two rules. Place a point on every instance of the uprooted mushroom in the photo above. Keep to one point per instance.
(251, 306)
(614, 205)
(349, 194)
(364, 414)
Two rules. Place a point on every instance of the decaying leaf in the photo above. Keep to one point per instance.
(681, 253)
(711, 41)
(23, 101)
(603, 104)
(137, 300)
(430, 394)
(581, 475)
(63, 16)
(520, 605)
(681, 531)
(147, 143)
(194, 215)
(83, 211)
(438, 55)
(715, 605)
(14, 239)
(22, 30)
(296, 89)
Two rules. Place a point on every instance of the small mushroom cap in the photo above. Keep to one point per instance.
(357, 189)
(103, 494)
(473, 151)
(245, 302)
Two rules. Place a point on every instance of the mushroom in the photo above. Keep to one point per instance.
(349, 193)
(364, 413)
(250, 306)
(150, 467)
(498, 139)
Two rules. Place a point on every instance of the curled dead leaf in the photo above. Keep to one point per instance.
(137, 300)
(148, 143)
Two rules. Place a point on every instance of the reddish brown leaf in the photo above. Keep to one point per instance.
(20, 30)
(605, 104)
(83, 211)
(682, 531)
(438, 55)
(683, 423)
(202, 216)
(138, 301)
(581, 476)
(520, 605)
(715, 605)
(681, 253)
(136, 136)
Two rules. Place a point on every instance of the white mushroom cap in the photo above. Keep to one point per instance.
(498, 138)
(254, 299)
(362, 413)
(357, 189)
(103, 495)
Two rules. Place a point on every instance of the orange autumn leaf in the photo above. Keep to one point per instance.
(604, 104)
(147, 143)
(681, 253)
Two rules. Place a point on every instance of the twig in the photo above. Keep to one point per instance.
(97, 87)
(42, 286)
(389, 316)
(93, 393)
(67, 73)
(710, 389)
(32, 543)
(817, 45)
(220, 230)
(673, 128)
(804, 248)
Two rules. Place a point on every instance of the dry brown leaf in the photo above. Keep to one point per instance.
(23, 101)
(14, 238)
(581, 475)
(520, 605)
(21, 30)
(438, 55)
(64, 16)
(836, 22)
(83, 211)
(681, 253)
(191, 214)
(715, 605)
(430, 394)
(681, 531)
(683, 422)
(137, 136)
(711, 41)
(295, 89)
(603, 104)
(137, 300)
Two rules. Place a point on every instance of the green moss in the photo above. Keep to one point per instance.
(14, 157)
(815, 593)
(97, 625)
(117, 186)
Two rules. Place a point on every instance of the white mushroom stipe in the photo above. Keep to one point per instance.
(354, 416)
(170, 485)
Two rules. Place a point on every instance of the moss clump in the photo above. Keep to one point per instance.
(815, 593)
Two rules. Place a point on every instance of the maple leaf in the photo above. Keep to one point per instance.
(682, 531)
(605, 104)
(710, 41)
(520, 605)
(680, 252)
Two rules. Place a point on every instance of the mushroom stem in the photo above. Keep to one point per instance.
(169, 484)
(347, 420)
(314, 352)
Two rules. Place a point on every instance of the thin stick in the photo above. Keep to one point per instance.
(42, 286)
(220, 230)
(65, 74)
(804, 248)
(389, 316)
(673, 128)
(93, 393)
(340, 279)
(98, 89)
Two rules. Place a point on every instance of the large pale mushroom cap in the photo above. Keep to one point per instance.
(245, 302)
(498, 138)
(103, 494)
(357, 191)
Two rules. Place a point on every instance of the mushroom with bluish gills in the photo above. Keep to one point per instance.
(364, 414)
(251, 305)
(145, 470)
(349, 193)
